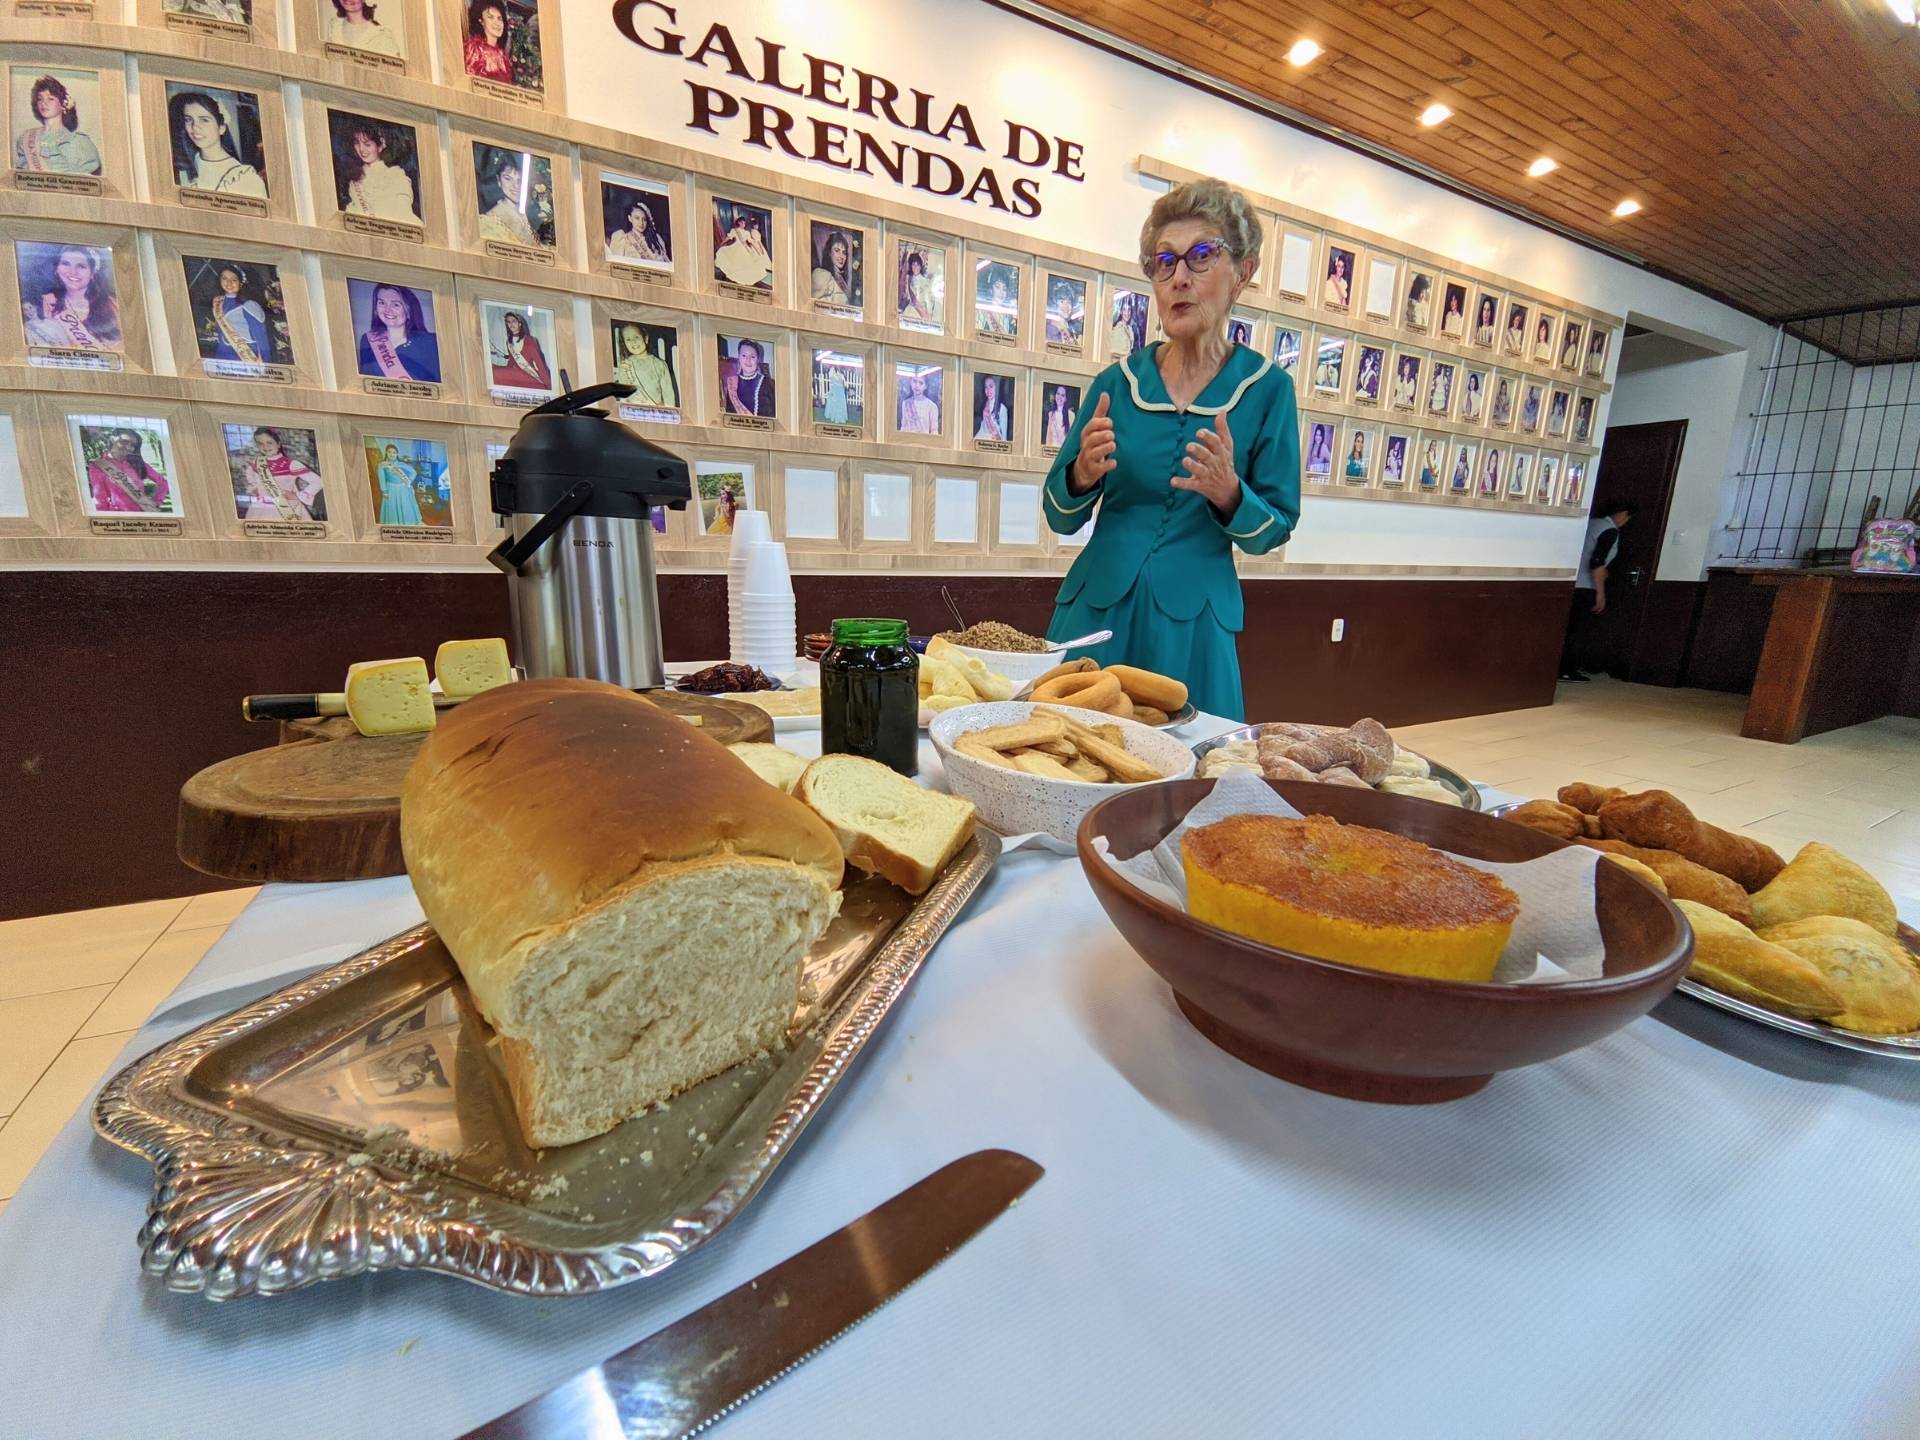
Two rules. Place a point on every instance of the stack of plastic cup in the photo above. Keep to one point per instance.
(766, 633)
(749, 528)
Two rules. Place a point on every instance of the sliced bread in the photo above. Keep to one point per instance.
(886, 824)
(771, 763)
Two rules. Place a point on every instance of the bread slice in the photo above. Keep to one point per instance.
(886, 824)
(771, 763)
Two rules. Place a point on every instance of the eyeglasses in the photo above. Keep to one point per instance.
(1199, 258)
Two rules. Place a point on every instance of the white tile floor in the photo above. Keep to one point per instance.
(74, 986)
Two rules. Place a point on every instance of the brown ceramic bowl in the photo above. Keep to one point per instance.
(1369, 1034)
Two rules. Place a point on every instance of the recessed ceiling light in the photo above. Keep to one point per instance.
(1435, 114)
(1626, 208)
(1545, 165)
(1304, 52)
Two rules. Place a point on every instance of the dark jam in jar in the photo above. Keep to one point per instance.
(870, 694)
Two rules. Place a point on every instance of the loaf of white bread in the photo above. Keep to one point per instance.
(630, 904)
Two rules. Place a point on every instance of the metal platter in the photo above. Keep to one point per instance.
(358, 1120)
(1897, 1047)
(1461, 787)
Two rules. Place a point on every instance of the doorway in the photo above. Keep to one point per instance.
(1638, 463)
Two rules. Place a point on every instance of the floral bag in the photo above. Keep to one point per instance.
(1887, 548)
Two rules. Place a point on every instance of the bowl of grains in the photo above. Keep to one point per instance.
(1013, 653)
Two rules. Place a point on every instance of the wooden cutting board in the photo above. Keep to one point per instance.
(305, 811)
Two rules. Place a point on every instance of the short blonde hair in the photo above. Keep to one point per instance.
(1214, 201)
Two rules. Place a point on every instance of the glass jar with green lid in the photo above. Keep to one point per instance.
(870, 694)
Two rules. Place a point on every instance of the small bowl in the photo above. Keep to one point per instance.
(1019, 666)
(1013, 802)
(1371, 1034)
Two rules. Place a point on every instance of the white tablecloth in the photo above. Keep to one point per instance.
(1696, 1227)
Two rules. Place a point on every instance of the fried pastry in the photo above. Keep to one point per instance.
(1635, 867)
(1684, 879)
(1343, 747)
(1563, 822)
(1287, 731)
(1660, 821)
(1874, 974)
(1588, 799)
(1341, 775)
(1734, 960)
(1822, 881)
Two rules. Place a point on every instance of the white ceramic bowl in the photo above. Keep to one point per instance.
(1014, 802)
(1018, 666)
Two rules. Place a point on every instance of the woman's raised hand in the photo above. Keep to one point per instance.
(1209, 466)
(1095, 459)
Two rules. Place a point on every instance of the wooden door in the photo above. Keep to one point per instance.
(1637, 463)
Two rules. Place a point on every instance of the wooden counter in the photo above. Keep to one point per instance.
(1841, 649)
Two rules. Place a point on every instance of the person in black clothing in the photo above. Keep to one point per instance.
(1590, 586)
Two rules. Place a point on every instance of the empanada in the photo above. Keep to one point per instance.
(1874, 974)
(1822, 881)
(1734, 960)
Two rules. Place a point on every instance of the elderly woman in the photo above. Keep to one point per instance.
(1183, 450)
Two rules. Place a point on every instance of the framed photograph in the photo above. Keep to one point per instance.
(747, 399)
(1520, 465)
(1543, 332)
(723, 489)
(219, 19)
(1492, 470)
(919, 396)
(1059, 406)
(1240, 330)
(1329, 364)
(396, 337)
(1127, 321)
(276, 475)
(995, 411)
(743, 249)
(996, 300)
(1322, 436)
(1337, 279)
(411, 484)
(920, 285)
(636, 225)
(1293, 274)
(1559, 408)
(361, 31)
(1358, 459)
(1500, 411)
(1431, 460)
(240, 320)
(70, 305)
(1474, 381)
(501, 52)
(839, 385)
(1583, 420)
(1416, 313)
(375, 166)
(1597, 351)
(519, 344)
(1453, 311)
(837, 256)
(1066, 314)
(126, 469)
(1286, 351)
(517, 202)
(1513, 335)
(1546, 479)
(1369, 372)
(1460, 476)
(1440, 388)
(1486, 319)
(1573, 489)
(1383, 282)
(1571, 337)
(647, 357)
(1533, 402)
(57, 114)
(1404, 393)
(216, 147)
(1396, 454)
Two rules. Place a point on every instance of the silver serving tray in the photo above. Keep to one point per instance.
(1898, 1047)
(1468, 793)
(357, 1120)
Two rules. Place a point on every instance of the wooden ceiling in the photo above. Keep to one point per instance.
(1774, 144)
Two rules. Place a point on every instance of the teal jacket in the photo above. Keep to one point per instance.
(1174, 540)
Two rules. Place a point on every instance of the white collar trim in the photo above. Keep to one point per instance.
(1168, 407)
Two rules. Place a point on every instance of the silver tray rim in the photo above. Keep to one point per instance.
(240, 1207)
(1468, 792)
(1892, 1047)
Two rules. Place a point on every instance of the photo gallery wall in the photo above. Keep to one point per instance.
(880, 382)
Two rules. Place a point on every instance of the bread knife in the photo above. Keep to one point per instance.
(682, 1379)
(313, 707)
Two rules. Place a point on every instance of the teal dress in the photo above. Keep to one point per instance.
(1158, 570)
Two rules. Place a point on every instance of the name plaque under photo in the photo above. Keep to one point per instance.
(418, 534)
(226, 204)
(363, 57)
(754, 294)
(649, 415)
(402, 389)
(525, 254)
(207, 25)
(645, 275)
(746, 422)
(134, 524)
(994, 337)
(246, 370)
(385, 229)
(56, 9)
(841, 312)
(512, 94)
(829, 431)
(46, 181)
(62, 358)
(995, 447)
(284, 529)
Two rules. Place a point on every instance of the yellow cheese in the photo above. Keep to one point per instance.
(466, 667)
(390, 697)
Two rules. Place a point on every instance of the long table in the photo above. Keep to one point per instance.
(1696, 1227)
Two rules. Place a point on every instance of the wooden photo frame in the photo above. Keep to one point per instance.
(839, 381)
(999, 298)
(237, 22)
(1427, 467)
(27, 509)
(70, 321)
(889, 501)
(1406, 382)
(407, 484)
(1328, 375)
(286, 473)
(924, 392)
(745, 250)
(1381, 299)
(1243, 328)
(378, 349)
(835, 255)
(996, 407)
(91, 157)
(1544, 333)
(1503, 403)
(1319, 446)
(1359, 455)
(1293, 270)
(1339, 275)
(1067, 298)
(920, 284)
(504, 50)
(1463, 460)
(1573, 340)
(1490, 474)
(517, 339)
(1370, 376)
(377, 35)
(1515, 333)
(1454, 312)
(514, 198)
(1559, 420)
(651, 250)
(1442, 387)
(1522, 460)
(1399, 446)
(1599, 337)
(806, 501)
(957, 517)
(216, 140)
(1533, 405)
(1483, 325)
(652, 350)
(1420, 299)
(1127, 318)
(751, 393)
(1016, 523)
(237, 311)
(375, 167)
(724, 478)
(1287, 348)
(1476, 393)
(155, 490)
(1056, 405)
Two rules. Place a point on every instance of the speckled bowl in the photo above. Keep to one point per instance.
(1015, 803)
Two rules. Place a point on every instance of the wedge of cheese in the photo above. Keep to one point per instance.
(466, 667)
(390, 697)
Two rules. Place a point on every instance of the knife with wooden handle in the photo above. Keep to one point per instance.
(682, 1379)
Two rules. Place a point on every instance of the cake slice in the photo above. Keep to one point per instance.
(886, 824)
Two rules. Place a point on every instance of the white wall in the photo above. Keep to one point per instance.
(1007, 68)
